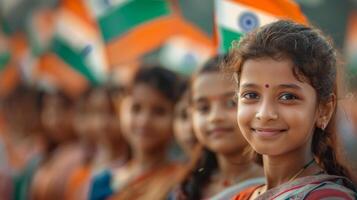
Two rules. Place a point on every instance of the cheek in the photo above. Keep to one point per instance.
(198, 124)
(245, 114)
(300, 119)
(232, 117)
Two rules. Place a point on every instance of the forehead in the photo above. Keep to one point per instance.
(148, 95)
(211, 84)
(268, 71)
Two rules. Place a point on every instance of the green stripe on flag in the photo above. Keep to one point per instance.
(6, 28)
(34, 40)
(227, 37)
(125, 17)
(4, 59)
(73, 58)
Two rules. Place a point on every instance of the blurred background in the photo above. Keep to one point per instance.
(31, 24)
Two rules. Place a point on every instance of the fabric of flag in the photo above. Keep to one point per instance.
(76, 57)
(234, 18)
(186, 50)
(54, 71)
(131, 28)
(10, 50)
(80, 47)
(39, 29)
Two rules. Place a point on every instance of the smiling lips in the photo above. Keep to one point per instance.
(268, 132)
(219, 131)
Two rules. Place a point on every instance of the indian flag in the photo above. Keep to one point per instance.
(131, 28)
(76, 55)
(186, 50)
(234, 18)
(80, 47)
(39, 29)
(8, 71)
(4, 59)
(55, 71)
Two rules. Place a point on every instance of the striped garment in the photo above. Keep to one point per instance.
(308, 188)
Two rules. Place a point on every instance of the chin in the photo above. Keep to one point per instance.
(224, 148)
(268, 151)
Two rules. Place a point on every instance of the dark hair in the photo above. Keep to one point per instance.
(315, 61)
(159, 78)
(203, 166)
(205, 163)
(21, 109)
(212, 65)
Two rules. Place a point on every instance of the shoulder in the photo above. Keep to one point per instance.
(331, 190)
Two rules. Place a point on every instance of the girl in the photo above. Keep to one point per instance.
(100, 139)
(223, 161)
(183, 130)
(286, 75)
(147, 116)
(62, 153)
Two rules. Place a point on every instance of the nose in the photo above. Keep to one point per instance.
(216, 113)
(267, 111)
(143, 119)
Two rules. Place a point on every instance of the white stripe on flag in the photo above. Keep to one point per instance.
(239, 17)
(84, 40)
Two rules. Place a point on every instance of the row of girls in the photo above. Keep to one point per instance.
(258, 123)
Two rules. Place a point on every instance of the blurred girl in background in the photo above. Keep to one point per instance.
(147, 125)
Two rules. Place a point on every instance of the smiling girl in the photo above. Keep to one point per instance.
(287, 90)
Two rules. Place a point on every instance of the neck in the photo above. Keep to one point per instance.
(281, 169)
(145, 159)
(118, 151)
(231, 166)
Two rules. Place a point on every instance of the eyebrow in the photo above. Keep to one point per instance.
(290, 86)
(224, 95)
(249, 85)
(284, 86)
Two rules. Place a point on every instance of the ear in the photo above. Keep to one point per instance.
(325, 112)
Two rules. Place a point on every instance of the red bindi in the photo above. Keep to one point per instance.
(266, 85)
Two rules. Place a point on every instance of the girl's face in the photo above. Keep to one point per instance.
(94, 115)
(277, 113)
(148, 125)
(183, 126)
(57, 118)
(214, 114)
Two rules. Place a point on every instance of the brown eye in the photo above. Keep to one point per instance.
(250, 95)
(202, 108)
(288, 96)
(230, 103)
(183, 114)
(135, 108)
